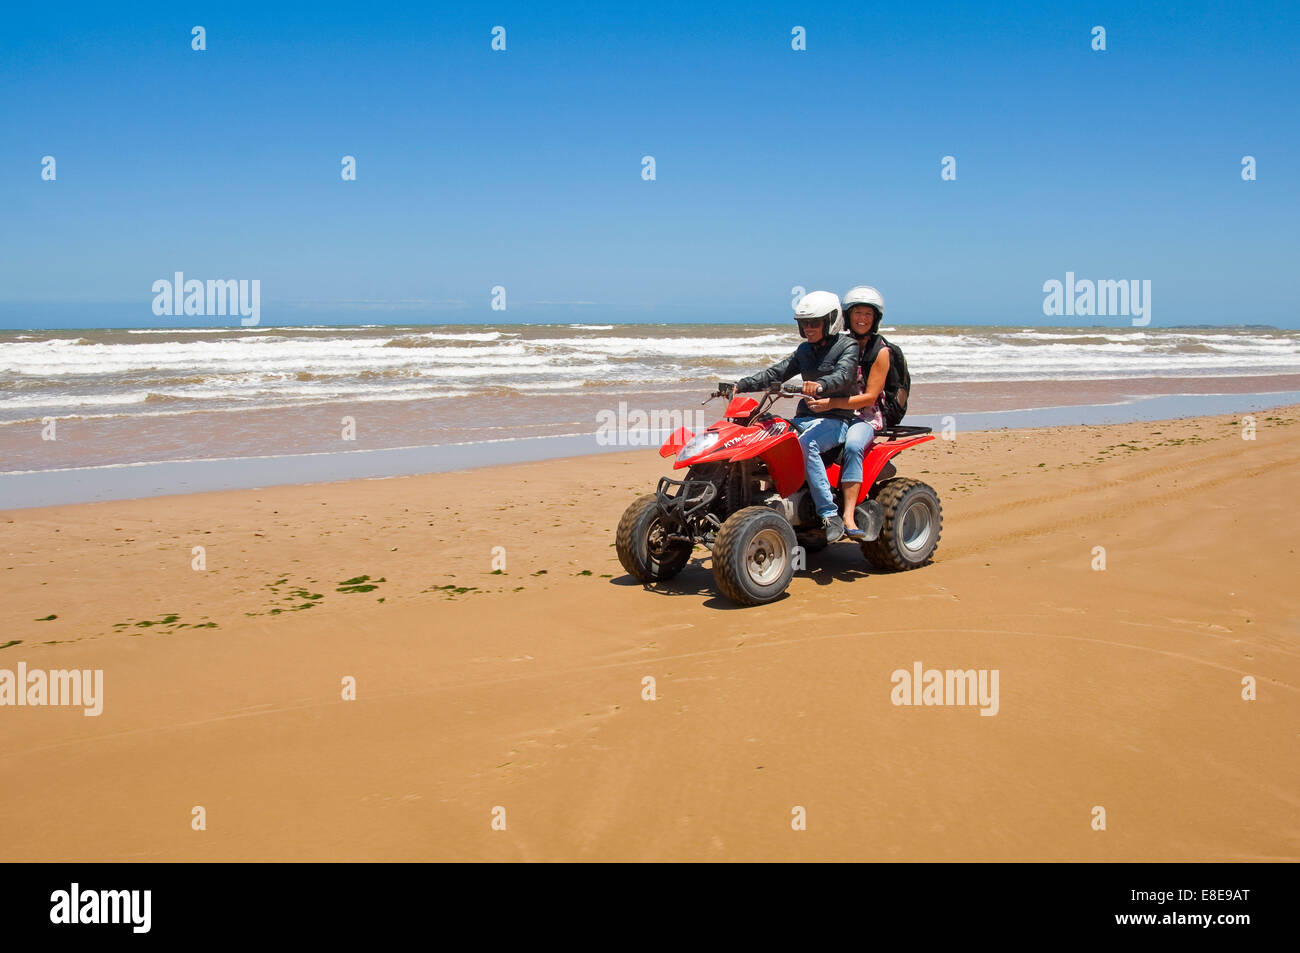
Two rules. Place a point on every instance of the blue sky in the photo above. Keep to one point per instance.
(775, 168)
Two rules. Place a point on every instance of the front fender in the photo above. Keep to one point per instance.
(676, 440)
(784, 459)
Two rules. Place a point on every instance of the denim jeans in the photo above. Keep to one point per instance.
(816, 436)
(856, 442)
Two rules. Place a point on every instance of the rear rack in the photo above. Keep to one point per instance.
(900, 433)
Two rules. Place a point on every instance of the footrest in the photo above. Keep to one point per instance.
(870, 517)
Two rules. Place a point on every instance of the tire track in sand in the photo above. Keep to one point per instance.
(1098, 514)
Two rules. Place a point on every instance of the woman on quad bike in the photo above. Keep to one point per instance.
(864, 308)
(828, 361)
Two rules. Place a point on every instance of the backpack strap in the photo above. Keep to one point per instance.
(873, 351)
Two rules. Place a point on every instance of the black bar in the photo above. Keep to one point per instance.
(980, 904)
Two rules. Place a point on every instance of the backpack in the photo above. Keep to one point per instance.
(898, 382)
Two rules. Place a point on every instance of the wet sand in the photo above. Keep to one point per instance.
(266, 429)
(137, 480)
(523, 690)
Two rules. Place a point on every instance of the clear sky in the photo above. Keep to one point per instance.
(774, 168)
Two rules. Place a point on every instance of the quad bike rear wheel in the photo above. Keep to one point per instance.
(913, 522)
(643, 546)
(753, 556)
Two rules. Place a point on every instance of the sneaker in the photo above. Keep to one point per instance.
(834, 528)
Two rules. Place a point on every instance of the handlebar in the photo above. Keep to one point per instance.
(773, 390)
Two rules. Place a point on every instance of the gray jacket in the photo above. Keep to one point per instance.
(833, 364)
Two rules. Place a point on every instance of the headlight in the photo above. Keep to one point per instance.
(697, 445)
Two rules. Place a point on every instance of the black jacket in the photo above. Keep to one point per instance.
(833, 364)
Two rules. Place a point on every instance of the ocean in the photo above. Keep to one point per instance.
(114, 397)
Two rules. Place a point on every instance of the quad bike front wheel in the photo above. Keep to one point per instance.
(753, 556)
(913, 522)
(643, 545)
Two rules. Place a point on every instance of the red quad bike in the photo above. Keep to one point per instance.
(745, 498)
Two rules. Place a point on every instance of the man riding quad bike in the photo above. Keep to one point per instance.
(746, 497)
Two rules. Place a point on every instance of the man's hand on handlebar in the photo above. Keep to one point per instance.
(788, 389)
(725, 389)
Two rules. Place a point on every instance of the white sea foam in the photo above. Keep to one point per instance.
(85, 370)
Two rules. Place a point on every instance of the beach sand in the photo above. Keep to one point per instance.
(1119, 689)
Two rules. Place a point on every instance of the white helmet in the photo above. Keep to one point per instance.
(820, 304)
(864, 294)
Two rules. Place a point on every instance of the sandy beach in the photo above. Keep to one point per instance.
(523, 689)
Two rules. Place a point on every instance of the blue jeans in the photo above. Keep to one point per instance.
(856, 442)
(816, 436)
